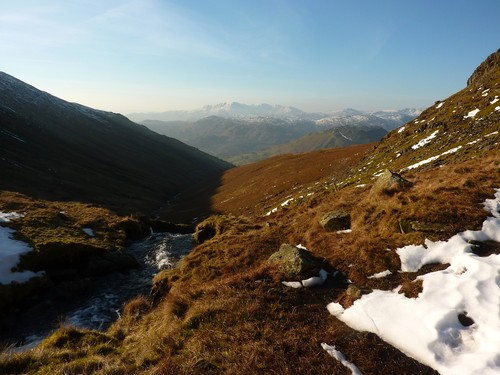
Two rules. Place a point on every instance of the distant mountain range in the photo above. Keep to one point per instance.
(53, 149)
(245, 111)
(241, 133)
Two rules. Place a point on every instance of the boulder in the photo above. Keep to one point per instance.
(336, 220)
(390, 182)
(293, 261)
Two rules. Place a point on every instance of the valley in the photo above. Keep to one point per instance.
(420, 219)
(242, 134)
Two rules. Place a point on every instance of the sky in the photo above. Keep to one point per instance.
(319, 55)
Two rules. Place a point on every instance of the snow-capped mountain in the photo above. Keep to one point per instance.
(400, 116)
(237, 110)
(228, 110)
(246, 111)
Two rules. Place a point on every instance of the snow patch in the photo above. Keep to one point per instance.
(494, 100)
(439, 105)
(341, 358)
(425, 141)
(11, 251)
(344, 231)
(472, 114)
(308, 283)
(293, 284)
(453, 325)
(402, 129)
(315, 280)
(380, 275)
(6, 217)
(275, 209)
(432, 158)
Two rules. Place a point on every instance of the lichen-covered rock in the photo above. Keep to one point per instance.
(390, 182)
(336, 220)
(293, 261)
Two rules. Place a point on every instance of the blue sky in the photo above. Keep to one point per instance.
(318, 55)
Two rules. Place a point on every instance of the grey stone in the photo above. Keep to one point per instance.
(293, 261)
(390, 181)
(336, 220)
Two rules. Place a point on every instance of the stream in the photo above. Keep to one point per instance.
(103, 303)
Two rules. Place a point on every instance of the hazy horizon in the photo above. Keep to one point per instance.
(152, 56)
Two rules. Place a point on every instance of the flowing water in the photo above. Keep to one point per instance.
(99, 308)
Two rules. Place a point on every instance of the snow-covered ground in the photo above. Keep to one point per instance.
(453, 325)
(10, 252)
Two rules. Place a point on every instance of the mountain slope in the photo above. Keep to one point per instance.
(340, 136)
(462, 126)
(53, 149)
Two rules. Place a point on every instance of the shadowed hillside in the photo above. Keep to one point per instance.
(53, 149)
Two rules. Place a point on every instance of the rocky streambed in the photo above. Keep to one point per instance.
(95, 303)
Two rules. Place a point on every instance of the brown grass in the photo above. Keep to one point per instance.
(252, 188)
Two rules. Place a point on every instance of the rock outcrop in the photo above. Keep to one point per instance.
(294, 261)
(485, 68)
